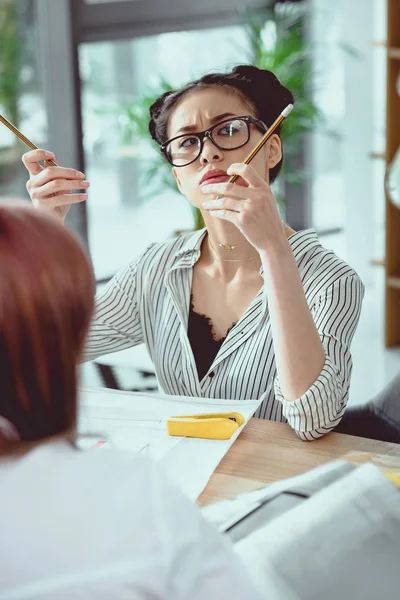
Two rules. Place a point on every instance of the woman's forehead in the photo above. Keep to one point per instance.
(199, 107)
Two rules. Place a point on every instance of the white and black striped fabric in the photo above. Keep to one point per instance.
(148, 302)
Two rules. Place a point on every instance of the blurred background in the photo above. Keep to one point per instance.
(77, 77)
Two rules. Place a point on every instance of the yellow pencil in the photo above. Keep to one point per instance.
(23, 138)
(265, 138)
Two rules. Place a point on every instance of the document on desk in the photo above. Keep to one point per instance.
(137, 422)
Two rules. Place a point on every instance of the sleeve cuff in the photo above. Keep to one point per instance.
(320, 408)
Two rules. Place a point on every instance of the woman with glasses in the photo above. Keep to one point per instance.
(247, 307)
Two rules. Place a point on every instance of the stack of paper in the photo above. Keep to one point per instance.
(137, 422)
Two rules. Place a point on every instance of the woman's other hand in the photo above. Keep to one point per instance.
(53, 189)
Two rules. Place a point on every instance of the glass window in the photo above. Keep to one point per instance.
(105, 1)
(21, 99)
(327, 191)
(125, 213)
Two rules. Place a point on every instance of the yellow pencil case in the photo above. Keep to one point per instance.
(394, 477)
(214, 426)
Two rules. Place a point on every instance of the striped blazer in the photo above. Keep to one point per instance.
(148, 303)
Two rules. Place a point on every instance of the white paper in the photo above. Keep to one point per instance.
(226, 513)
(137, 422)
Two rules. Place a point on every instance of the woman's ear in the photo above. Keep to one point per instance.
(274, 151)
(178, 183)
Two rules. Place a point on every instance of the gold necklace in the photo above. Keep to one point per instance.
(235, 260)
(230, 247)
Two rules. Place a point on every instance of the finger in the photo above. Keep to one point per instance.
(58, 187)
(53, 173)
(31, 160)
(230, 190)
(225, 215)
(224, 204)
(248, 173)
(56, 201)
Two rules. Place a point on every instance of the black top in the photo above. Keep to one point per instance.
(204, 347)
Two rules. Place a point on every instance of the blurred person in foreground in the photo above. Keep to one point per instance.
(80, 524)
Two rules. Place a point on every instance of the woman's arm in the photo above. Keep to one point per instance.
(311, 344)
(314, 402)
(299, 353)
(116, 324)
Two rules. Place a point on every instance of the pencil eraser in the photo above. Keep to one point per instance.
(287, 110)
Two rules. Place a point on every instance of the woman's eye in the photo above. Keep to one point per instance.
(229, 129)
(188, 142)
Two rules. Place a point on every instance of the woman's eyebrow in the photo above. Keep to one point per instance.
(188, 128)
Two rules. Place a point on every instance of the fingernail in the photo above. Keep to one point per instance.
(79, 174)
(85, 184)
(205, 204)
(48, 154)
(206, 188)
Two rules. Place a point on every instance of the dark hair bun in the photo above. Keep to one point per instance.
(263, 88)
(259, 87)
(252, 74)
(155, 111)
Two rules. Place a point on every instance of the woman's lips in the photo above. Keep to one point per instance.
(222, 179)
(217, 179)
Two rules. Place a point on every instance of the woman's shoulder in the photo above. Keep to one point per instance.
(114, 516)
(89, 507)
(169, 252)
(319, 266)
(100, 477)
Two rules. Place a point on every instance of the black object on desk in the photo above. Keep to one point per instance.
(379, 419)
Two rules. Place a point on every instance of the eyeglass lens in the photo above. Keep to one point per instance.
(228, 136)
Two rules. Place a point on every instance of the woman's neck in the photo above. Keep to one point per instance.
(226, 241)
(227, 248)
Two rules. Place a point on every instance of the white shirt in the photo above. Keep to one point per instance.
(149, 301)
(103, 524)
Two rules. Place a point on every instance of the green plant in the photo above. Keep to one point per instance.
(133, 118)
(277, 43)
(135, 126)
(9, 60)
(9, 87)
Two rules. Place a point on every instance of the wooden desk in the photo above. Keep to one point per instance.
(267, 451)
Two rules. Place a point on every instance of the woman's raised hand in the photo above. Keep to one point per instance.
(53, 189)
(251, 207)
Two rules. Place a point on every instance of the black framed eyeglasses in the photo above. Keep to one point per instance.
(229, 134)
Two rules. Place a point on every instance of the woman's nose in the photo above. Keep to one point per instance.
(210, 153)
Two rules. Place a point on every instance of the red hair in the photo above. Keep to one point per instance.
(46, 302)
